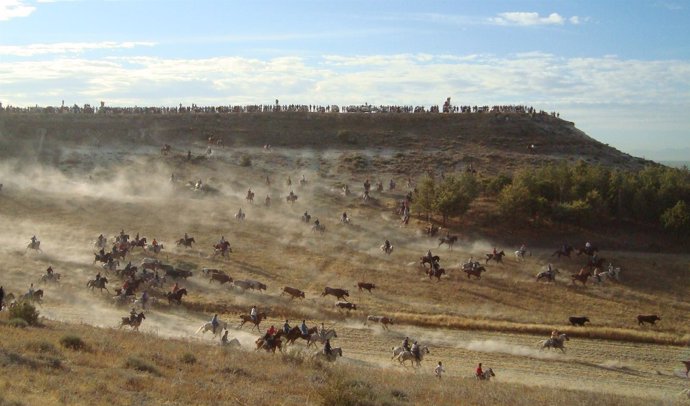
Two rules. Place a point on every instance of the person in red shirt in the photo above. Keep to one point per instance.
(479, 372)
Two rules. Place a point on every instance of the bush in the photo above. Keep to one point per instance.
(19, 323)
(73, 343)
(25, 311)
(188, 358)
(141, 365)
(245, 161)
(677, 219)
(42, 347)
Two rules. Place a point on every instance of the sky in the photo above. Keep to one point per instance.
(620, 70)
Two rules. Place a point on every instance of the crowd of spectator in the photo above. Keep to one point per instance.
(447, 108)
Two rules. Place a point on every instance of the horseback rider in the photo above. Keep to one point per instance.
(249, 192)
(304, 329)
(495, 252)
(317, 223)
(367, 185)
(549, 268)
(322, 330)
(154, 243)
(98, 277)
(344, 218)
(175, 288)
(555, 334)
(254, 314)
(523, 249)
(49, 271)
(185, 237)
(30, 293)
(286, 327)
(479, 373)
(386, 245)
(214, 322)
(132, 314)
(429, 256)
(306, 215)
(289, 181)
(303, 180)
(327, 350)
(415, 351)
(267, 201)
(224, 339)
(594, 259)
(406, 344)
(588, 245)
(240, 214)
(101, 240)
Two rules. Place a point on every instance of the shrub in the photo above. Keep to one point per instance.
(245, 160)
(141, 365)
(677, 219)
(73, 343)
(188, 358)
(42, 347)
(19, 323)
(342, 392)
(25, 311)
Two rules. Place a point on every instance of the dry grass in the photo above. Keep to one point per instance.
(131, 368)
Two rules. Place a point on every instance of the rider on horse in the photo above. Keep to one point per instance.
(254, 314)
(406, 344)
(214, 323)
(49, 271)
(132, 314)
(304, 329)
(175, 288)
(30, 293)
(327, 350)
(154, 243)
(523, 249)
(386, 245)
(269, 337)
(286, 327)
(344, 218)
(317, 223)
(33, 240)
(415, 351)
(479, 373)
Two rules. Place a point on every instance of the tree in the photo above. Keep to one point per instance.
(455, 194)
(425, 197)
(677, 219)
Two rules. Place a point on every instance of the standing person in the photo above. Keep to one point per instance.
(439, 370)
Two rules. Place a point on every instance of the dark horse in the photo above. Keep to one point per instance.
(177, 296)
(248, 319)
(563, 252)
(100, 284)
(133, 322)
(36, 297)
(296, 333)
(426, 260)
(187, 242)
(437, 272)
(449, 239)
(274, 343)
(498, 257)
(587, 250)
(477, 271)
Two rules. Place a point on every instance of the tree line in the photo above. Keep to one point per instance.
(574, 193)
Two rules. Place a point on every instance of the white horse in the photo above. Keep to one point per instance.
(222, 325)
(611, 273)
(408, 356)
(520, 255)
(486, 375)
(556, 343)
(321, 337)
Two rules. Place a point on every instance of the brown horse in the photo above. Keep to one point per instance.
(296, 333)
(187, 242)
(276, 342)
(133, 322)
(563, 252)
(498, 257)
(248, 319)
(435, 272)
(448, 239)
(426, 260)
(177, 296)
(581, 277)
(474, 272)
(222, 249)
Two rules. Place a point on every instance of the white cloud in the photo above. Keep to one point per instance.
(10, 9)
(67, 47)
(531, 18)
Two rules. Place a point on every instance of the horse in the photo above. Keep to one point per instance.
(141, 243)
(36, 246)
(485, 375)
(431, 230)
(498, 257)
(98, 283)
(221, 278)
(187, 242)
(103, 258)
(587, 250)
(382, 320)
(295, 333)
(156, 249)
(437, 272)
(222, 325)
(449, 239)
(133, 322)
(247, 318)
(250, 196)
(240, 215)
(318, 227)
(335, 353)
(35, 297)
(408, 356)
(165, 149)
(556, 342)
(563, 252)
(581, 276)
(111, 266)
(476, 271)
(222, 249)
(271, 346)
(550, 276)
(426, 260)
(611, 273)
(177, 296)
(306, 218)
(291, 198)
(321, 337)
(520, 255)
(50, 277)
(302, 182)
(387, 249)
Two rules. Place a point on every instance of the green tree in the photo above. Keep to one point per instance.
(677, 219)
(455, 194)
(425, 197)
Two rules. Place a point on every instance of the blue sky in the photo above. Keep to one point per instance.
(619, 69)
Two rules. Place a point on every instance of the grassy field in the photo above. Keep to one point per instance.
(497, 320)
